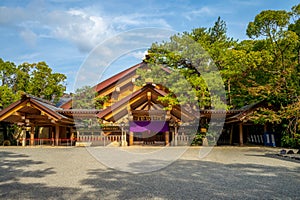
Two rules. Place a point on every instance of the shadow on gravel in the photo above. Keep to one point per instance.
(191, 179)
(278, 157)
(14, 167)
(184, 179)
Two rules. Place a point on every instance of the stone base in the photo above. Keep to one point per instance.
(83, 144)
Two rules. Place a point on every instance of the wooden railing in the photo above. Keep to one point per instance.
(91, 138)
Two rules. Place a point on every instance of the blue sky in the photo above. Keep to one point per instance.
(63, 33)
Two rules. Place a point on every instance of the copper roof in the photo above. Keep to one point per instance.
(117, 77)
(31, 106)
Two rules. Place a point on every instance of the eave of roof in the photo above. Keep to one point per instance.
(244, 111)
(126, 99)
(117, 77)
(39, 104)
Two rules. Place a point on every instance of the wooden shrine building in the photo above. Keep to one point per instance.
(132, 115)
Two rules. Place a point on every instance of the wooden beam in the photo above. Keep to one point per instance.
(241, 134)
(115, 111)
(12, 111)
(36, 117)
(39, 109)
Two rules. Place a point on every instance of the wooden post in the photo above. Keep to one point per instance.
(241, 134)
(52, 135)
(31, 136)
(231, 134)
(173, 139)
(125, 139)
(24, 137)
(130, 138)
(176, 136)
(167, 138)
(265, 128)
(56, 134)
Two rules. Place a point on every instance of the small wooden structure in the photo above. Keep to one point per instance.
(39, 119)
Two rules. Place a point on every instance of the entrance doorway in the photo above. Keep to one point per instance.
(148, 138)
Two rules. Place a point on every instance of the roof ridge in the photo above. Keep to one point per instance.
(26, 95)
(116, 77)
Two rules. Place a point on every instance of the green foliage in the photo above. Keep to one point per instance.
(192, 75)
(36, 79)
(198, 139)
(292, 141)
(7, 96)
(43, 83)
(265, 68)
(269, 23)
(7, 70)
(87, 98)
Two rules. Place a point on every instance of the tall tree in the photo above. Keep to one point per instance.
(7, 70)
(36, 79)
(45, 84)
(87, 98)
(193, 60)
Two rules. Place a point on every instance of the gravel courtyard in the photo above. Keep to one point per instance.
(73, 173)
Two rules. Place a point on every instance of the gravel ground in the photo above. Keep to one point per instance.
(73, 173)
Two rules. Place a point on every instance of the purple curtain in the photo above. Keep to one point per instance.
(155, 126)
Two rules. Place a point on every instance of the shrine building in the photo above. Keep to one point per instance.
(132, 115)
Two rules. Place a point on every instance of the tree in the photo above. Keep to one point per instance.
(295, 27)
(193, 60)
(265, 68)
(45, 84)
(281, 44)
(36, 79)
(7, 96)
(87, 98)
(7, 70)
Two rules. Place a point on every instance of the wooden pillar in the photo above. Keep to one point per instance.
(52, 135)
(24, 137)
(241, 134)
(31, 136)
(130, 138)
(125, 139)
(265, 128)
(173, 139)
(167, 138)
(176, 135)
(56, 134)
(78, 136)
(231, 134)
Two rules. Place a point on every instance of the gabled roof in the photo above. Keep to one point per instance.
(112, 80)
(108, 82)
(36, 109)
(137, 98)
(244, 112)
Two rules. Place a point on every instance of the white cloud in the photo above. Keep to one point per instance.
(31, 57)
(12, 15)
(29, 37)
(198, 12)
(203, 11)
(83, 27)
(145, 20)
(139, 54)
(207, 11)
(80, 28)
